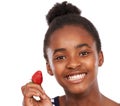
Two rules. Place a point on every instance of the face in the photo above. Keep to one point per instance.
(73, 59)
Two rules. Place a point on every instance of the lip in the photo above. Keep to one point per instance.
(76, 77)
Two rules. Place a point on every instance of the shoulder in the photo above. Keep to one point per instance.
(109, 102)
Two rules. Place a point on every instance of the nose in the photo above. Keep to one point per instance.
(73, 63)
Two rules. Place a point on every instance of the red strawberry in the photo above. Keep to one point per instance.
(37, 77)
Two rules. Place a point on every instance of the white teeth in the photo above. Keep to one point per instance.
(76, 77)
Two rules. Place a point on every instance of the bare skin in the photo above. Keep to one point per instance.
(29, 90)
(72, 51)
(103, 101)
(74, 60)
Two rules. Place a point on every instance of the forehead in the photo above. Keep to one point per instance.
(70, 35)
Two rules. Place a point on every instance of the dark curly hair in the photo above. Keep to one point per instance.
(64, 13)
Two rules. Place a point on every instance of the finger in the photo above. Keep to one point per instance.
(36, 86)
(45, 96)
(23, 89)
(30, 90)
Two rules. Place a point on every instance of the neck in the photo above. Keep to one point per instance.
(91, 97)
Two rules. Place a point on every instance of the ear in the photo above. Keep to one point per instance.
(49, 70)
(101, 58)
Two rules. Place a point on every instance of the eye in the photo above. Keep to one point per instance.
(60, 58)
(84, 53)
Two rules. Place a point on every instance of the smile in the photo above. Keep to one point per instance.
(76, 77)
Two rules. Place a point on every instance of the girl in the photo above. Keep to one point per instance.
(72, 49)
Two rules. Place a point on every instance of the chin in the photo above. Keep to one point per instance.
(76, 90)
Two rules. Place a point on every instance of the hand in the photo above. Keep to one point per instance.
(30, 90)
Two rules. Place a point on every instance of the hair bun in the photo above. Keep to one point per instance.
(61, 9)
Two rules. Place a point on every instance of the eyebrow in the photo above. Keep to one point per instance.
(59, 50)
(78, 46)
(82, 45)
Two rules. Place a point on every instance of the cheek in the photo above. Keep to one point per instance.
(59, 67)
(92, 68)
(92, 64)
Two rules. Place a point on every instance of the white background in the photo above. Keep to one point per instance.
(22, 29)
